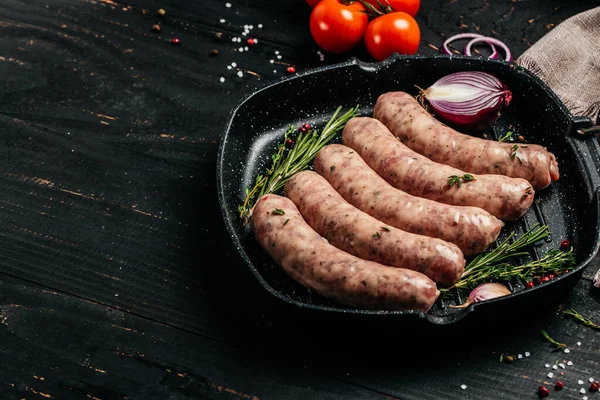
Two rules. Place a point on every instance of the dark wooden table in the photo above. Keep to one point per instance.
(118, 279)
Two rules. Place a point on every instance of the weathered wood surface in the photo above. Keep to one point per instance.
(117, 277)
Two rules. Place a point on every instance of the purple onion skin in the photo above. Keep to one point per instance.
(472, 122)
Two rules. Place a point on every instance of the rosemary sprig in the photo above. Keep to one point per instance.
(557, 345)
(456, 180)
(581, 318)
(285, 163)
(506, 137)
(493, 266)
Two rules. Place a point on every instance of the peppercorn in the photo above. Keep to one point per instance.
(161, 12)
(509, 359)
(251, 42)
(565, 244)
(543, 391)
(291, 69)
(175, 41)
(521, 138)
(530, 284)
(594, 387)
(306, 126)
(155, 28)
(214, 52)
(289, 141)
(551, 276)
(559, 385)
(545, 279)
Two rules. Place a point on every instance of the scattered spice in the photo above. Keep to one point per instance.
(291, 69)
(543, 391)
(251, 42)
(594, 387)
(214, 52)
(565, 244)
(530, 284)
(559, 385)
(218, 35)
(175, 41)
(521, 138)
(278, 211)
(286, 221)
(156, 28)
(581, 318)
(161, 12)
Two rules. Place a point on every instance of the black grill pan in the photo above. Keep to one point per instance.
(570, 206)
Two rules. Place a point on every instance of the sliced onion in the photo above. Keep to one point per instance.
(490, 41)
(468, 100)
(446, 50)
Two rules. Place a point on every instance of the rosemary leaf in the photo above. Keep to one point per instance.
(581, 318)
(285, 163)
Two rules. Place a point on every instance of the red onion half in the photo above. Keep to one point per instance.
(467, 100)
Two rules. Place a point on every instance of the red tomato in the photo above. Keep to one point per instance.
(312, 3)
(408, 6)
(337, 27)
(392, 33)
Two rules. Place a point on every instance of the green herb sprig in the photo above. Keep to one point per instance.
(285, 163)
(506, 137)
(557, 345)
(457, 180)
(581, 318)
(493, 266)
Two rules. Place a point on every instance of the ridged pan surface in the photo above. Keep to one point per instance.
(569, 206)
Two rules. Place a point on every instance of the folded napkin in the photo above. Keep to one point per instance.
(567, 59)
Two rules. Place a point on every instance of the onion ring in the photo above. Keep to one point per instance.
(446, 50)
(490, 41)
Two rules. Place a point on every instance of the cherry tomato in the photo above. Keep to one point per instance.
(408, 6)
(396, 32)
(337, 27)
(312, 3)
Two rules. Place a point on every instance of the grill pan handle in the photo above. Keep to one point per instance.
(583, 137)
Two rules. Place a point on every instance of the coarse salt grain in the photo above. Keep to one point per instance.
(580, 382)
(222, 20)
(229, 67)
(584, 398)
(555, 366)
(276, 51)
(233, 64)
(271, 61)
(550, 375)
(278, 57)
(561, 365)
(567, 351)
(582, 391)
(245, 48)
(527, 354)
(520, 356)
(591, 380)
(233, 39)
(570, 363)
(244, 33)
(274, 71)
(463, 386)
(250, 26)
(240, 74)
(241, 49)
(547, 365)
(260, 25)
(255, 41)
(228, 5)
(578, 343)
(222, 79)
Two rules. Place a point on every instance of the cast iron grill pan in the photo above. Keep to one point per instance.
(570, 206)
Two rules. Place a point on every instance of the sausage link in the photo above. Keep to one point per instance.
(412, 124)
(313, 262)
(504, 197)
(359, 234)
(472, 229)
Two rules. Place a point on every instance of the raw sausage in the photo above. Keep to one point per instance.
(313, 262)
(412, 124)
(359, 234)
(504, 197)
(472, 229)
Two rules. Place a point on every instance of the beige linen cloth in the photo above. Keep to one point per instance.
(567, 59)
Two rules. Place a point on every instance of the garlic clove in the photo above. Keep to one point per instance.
(485, 291)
